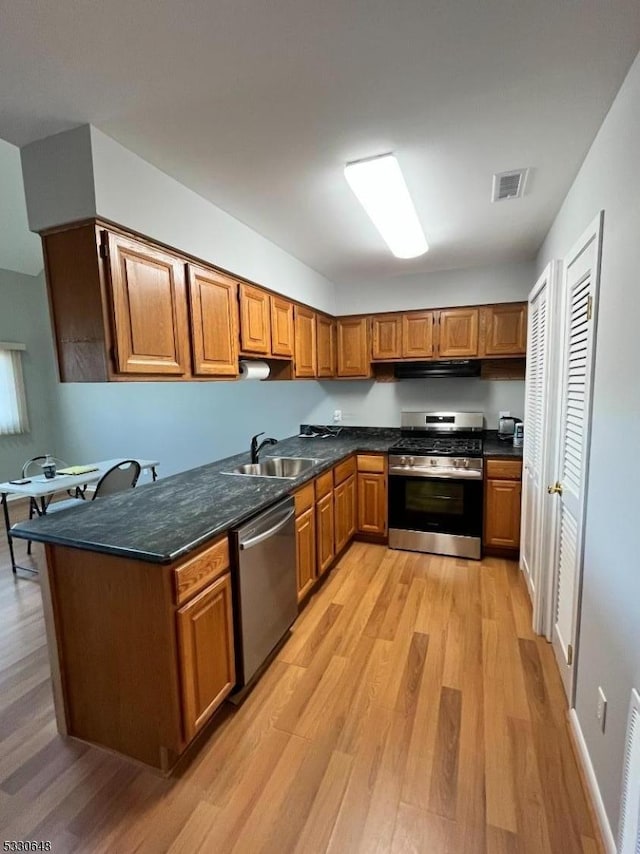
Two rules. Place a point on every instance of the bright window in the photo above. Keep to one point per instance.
(13, 404)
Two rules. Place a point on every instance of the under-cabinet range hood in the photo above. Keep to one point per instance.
(427, 370)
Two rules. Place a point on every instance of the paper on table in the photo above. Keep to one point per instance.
(73, 470)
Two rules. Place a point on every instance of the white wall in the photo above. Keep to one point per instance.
(476, 285)
(368, 404)
(609, 650)
(24, 318)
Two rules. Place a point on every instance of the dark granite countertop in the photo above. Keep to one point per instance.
(493, 447)
(162, 521)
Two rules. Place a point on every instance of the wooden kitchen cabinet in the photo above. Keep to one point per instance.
(354, 358)
(502, 513)
(417, 335)
(325, 532)
(306, 551)
(458, 333)
(149, 307)
(282, 334)
(504, 330)
(325, 346)
(386, 336)
(255, 320)
(207, 663)
(345, 512)
(305, 341)
(372, 503)
(213, 299)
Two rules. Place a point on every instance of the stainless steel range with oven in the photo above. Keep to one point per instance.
(435, 484)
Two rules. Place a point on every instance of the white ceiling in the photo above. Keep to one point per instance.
(19, 249)
(257, 106)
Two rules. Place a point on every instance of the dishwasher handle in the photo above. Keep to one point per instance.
(260, 538)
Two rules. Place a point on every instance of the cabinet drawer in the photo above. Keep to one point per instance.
(504, 469)
(344, 470)
(324, 484)
(304, 498)
(374, 463)
(195, 574)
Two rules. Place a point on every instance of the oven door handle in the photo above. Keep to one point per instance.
(463, 475)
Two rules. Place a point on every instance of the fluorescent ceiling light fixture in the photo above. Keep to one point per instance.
(379, 186)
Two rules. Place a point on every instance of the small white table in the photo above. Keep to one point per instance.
(40, 488)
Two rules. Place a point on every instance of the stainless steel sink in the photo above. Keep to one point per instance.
(287, 467)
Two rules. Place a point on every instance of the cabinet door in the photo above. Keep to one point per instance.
(149, 308)
(417, 335)
(207, 663)
(502, 513)
(305, 362)
(372, 503)
(350, 506)
(325, 346)
(353, 347)
(340, 516)
(386, 336)
(325, 533)
(458, 333)
(255, 322)
(306, 551)
(505, 330)
(281, 327)
(214, 322)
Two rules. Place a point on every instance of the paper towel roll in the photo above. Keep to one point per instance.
(254, 370)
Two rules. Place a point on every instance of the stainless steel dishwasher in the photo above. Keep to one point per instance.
(266, 594)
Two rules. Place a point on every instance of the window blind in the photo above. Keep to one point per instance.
(13, 404)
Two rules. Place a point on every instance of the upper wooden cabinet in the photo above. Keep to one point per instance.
(417, 335)
(354, 357)
(214, 322)
(458, 333)
(255, 320)
(149, 308)
(504, 330)
(386, 336)
(281, 327)
(305, 340)
(325, 346)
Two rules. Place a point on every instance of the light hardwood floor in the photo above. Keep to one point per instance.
(412, 710)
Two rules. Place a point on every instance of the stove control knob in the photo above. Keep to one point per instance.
(466, 463)
(412, 461)
(433, 462)
(403, 461)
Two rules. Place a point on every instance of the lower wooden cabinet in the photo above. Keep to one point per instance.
(344, 497)
(502, 500)
(306, 551)
(207, 663)
(372, 503)
(325, 532)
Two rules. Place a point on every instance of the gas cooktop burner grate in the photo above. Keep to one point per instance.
(444, 446)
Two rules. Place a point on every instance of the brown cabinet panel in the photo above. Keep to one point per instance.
(344, 470)
(386, 336)
(503, 469)
(417, 335)
(195, 574)
(305, 338)
(306, 551)
(376, 463)
(353, 347)
(505, 330)
(344, 512)
(372, 503)
(458, 333)
(149, 308)
(281, 327)
(325, 533)
(205, 639)
(502, 513)
(326, 346)
(255, 320)
(214, 322)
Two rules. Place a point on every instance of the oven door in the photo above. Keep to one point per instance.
(450, 506)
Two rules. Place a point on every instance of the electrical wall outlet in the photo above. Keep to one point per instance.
(337, 416)
(601, 708)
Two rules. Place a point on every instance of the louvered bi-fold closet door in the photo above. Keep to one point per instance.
(629, 826)
(579, 307)
(536, 408)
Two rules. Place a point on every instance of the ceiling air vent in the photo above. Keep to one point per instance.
(509, 185)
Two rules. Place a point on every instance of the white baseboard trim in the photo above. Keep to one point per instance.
(594, 789)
